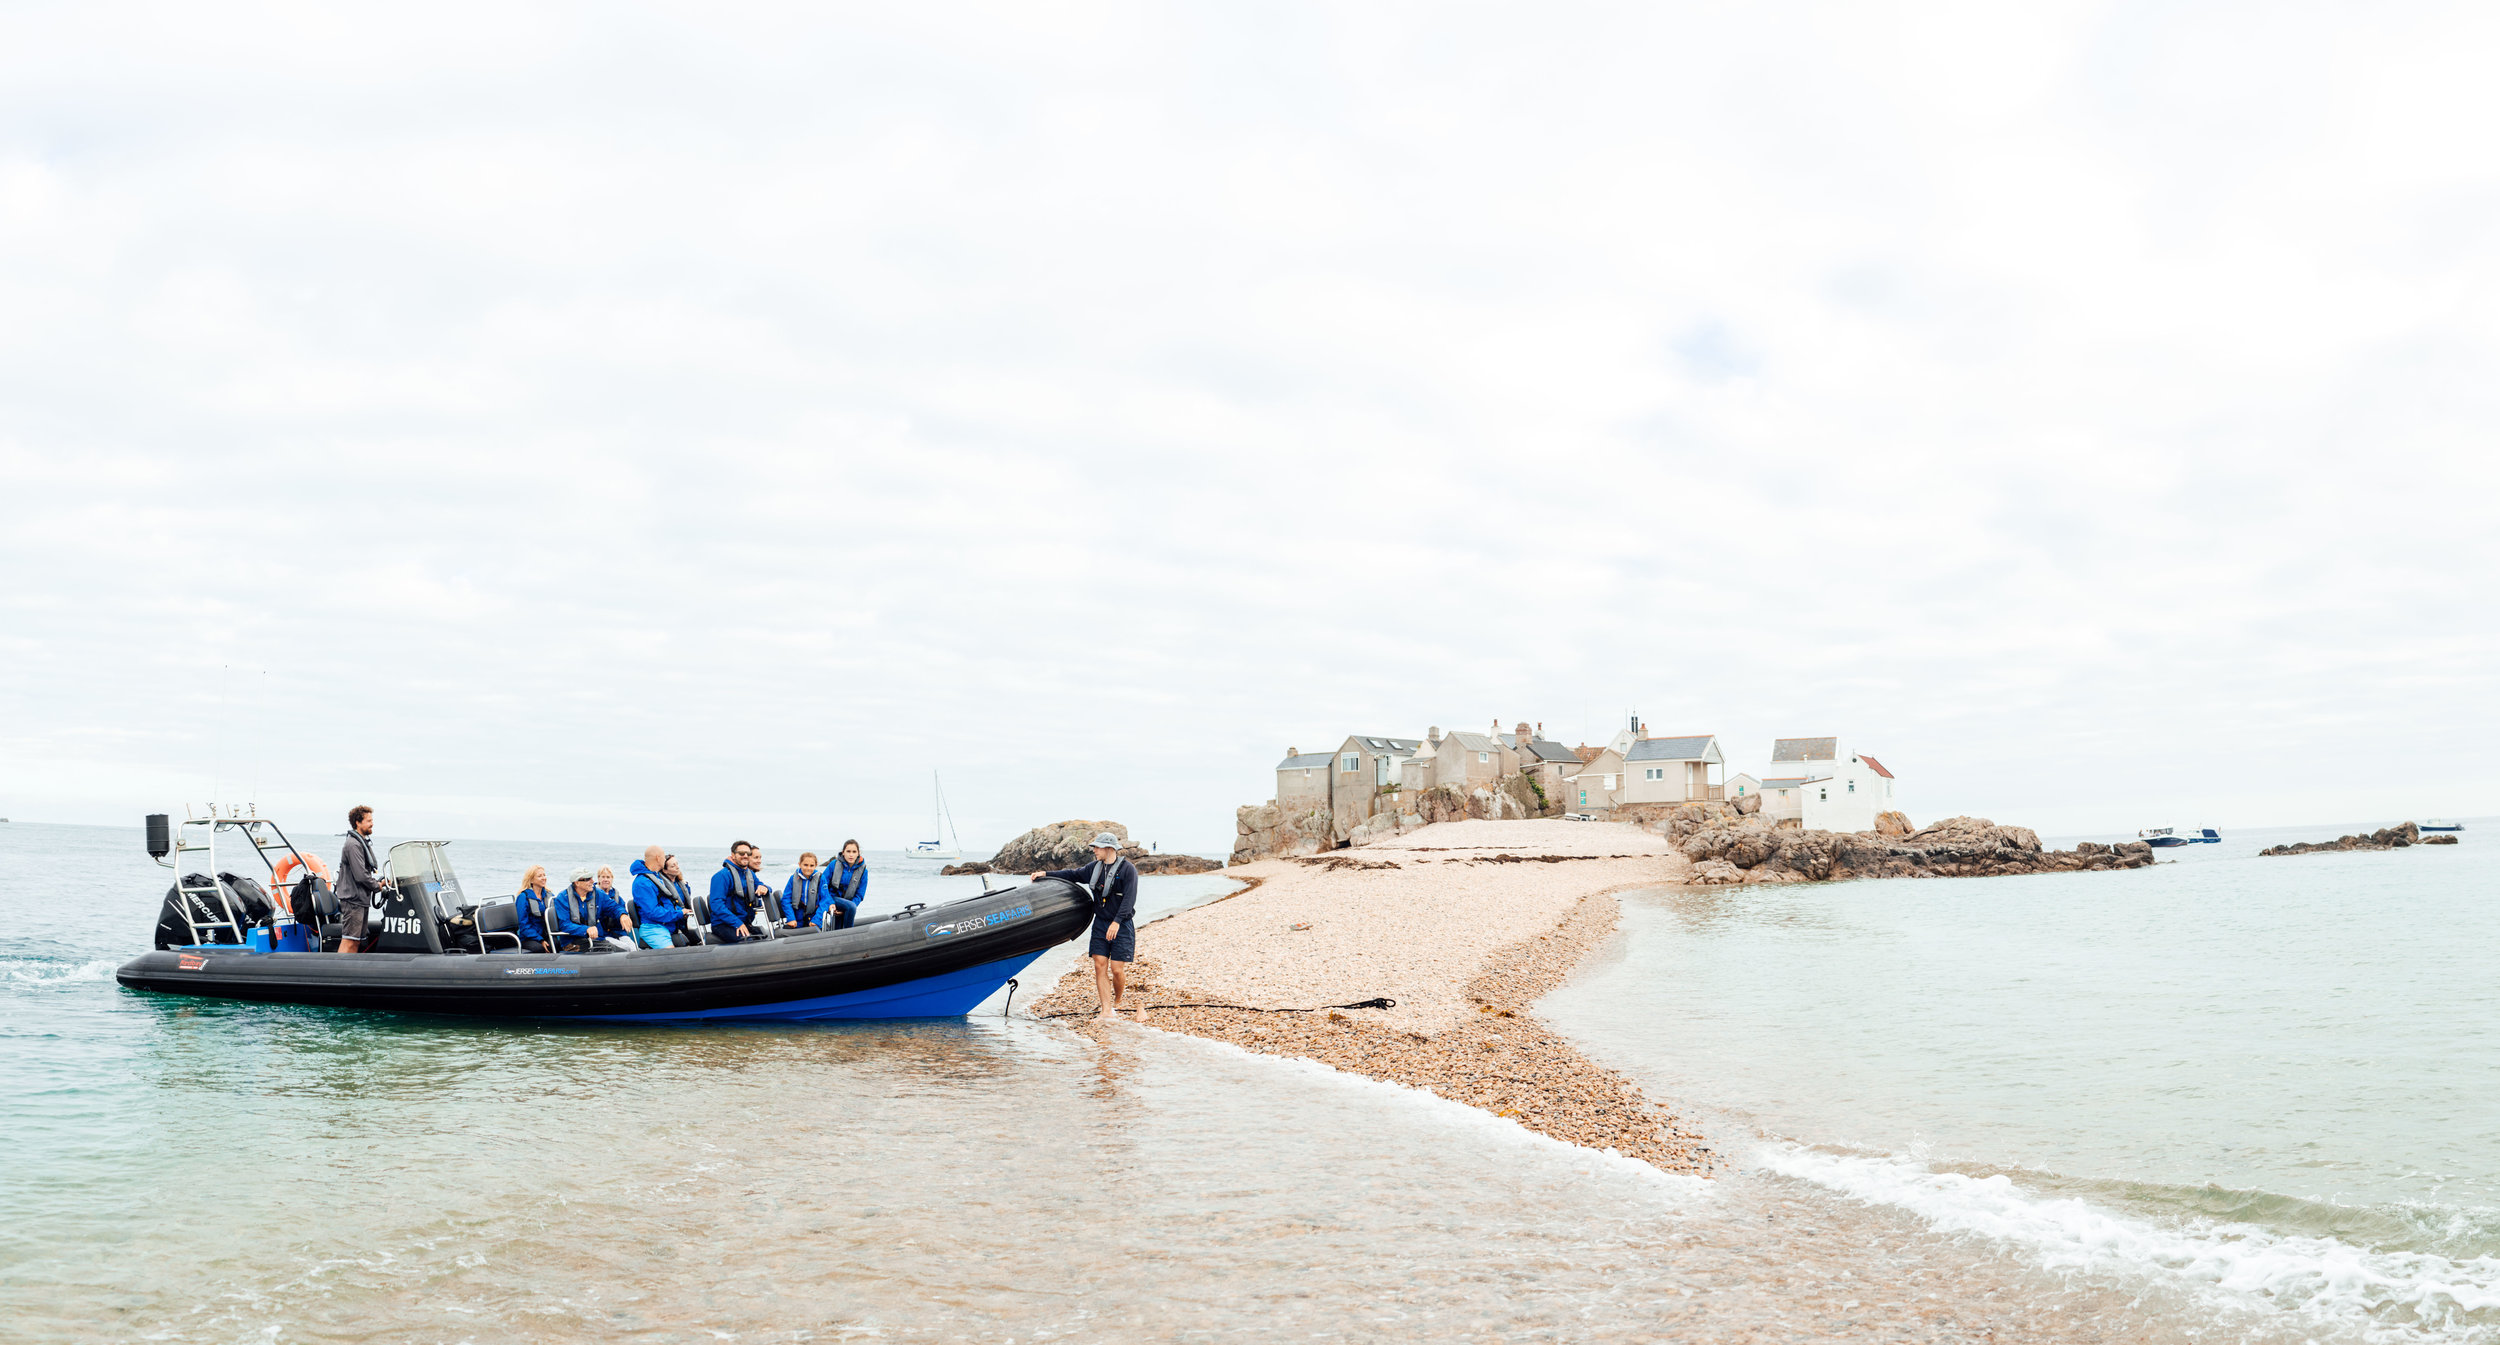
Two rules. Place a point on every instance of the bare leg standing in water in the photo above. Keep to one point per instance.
(1111, 883)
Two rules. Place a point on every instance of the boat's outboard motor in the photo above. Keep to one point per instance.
(251, 900)
(174, 930)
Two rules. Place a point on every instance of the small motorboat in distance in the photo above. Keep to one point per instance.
(2162, 838)
(2435, 824)
(439, 952)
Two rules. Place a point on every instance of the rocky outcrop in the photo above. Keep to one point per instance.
(2427, 840)
(1160, 865)
(2385, 838)
(1060, 845)
(1148, 866)
(1737, 848)
(1263, 829)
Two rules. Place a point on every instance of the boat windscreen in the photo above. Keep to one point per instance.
(424, 862)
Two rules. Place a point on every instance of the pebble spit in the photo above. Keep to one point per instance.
(1473, 1040)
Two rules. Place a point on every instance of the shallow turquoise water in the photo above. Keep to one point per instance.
(2288, 1067)
(232, 1172)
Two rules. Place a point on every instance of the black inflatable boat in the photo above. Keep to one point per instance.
(926, 962)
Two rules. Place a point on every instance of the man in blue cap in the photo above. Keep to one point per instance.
(1111, 883)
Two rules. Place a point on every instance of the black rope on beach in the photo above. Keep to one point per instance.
(1010, 1005)
(1384, 1002)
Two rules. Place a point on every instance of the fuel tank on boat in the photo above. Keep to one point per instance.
(935, 961)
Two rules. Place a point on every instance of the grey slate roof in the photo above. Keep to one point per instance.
(1784, 782)
(1405, 747)
(1670, 749)
(1308, 761)
(1473, 742)
(1545, 751)
(1804, 749)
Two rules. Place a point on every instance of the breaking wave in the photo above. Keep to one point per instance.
(2388, 1294)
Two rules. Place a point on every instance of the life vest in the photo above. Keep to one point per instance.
(807, 894)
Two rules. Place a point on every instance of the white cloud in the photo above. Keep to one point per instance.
(591, 416)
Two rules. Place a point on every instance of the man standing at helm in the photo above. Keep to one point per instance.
(1111, 883)
(360, 882)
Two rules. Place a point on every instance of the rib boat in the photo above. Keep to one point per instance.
(2162, 838)
(221, 935)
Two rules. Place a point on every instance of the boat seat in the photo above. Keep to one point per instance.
(498, 919)
(315, 904)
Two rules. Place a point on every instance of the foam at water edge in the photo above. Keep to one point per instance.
(2318, 1276)
(47, 972)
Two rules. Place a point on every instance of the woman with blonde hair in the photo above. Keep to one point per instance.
(529, 907)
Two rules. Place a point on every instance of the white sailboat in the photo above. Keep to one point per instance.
(944, 825)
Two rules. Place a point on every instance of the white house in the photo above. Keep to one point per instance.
(1672, 770)
(1741, 785)
(1824, 788)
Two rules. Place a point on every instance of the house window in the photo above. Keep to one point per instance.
(1654, 773)
(1482, 757)
(1853, 786)
(1822, 796)
(1353, 763)
(1584, 796)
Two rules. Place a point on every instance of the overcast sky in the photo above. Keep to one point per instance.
(576, 421)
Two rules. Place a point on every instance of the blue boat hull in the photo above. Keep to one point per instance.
(936, 962)
(948, 996)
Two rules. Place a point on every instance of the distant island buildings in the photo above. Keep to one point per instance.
(1376, 782)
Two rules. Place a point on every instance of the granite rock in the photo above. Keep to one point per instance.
(2385, 838)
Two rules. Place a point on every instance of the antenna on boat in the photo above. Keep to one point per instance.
(260, 736)
(217, 740)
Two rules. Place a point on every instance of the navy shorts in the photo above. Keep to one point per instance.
(1121, 949)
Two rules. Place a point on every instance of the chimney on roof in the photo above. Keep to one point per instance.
(1433, 736)
(1519, 737)
(1293, 751)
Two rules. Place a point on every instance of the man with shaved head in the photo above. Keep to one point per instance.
(659, 904)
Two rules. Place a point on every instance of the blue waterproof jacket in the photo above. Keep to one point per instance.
(574, 917)
(850, 890)
(657, 900)
(529, 906)
(734, 893)
(803, 899)
(612, 912)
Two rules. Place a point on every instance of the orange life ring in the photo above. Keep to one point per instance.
(286, 869)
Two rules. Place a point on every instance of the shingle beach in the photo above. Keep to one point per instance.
(1464, 924)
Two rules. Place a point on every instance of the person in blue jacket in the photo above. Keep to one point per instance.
(850, 885)
(573, 916)
(734, 896)
(529, 907)
(1110, 882)
(616, 919)
(803, 895)
(659, 903)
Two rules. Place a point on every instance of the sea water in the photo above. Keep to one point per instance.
(211, 1171)
(2275, 1077)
